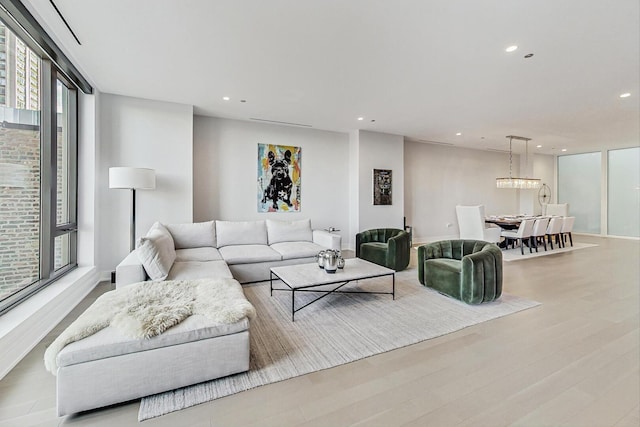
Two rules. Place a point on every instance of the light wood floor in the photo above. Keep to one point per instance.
(573, 361)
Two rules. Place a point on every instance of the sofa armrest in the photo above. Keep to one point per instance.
(327, 240)
(130, 270)
(399, 251)
(422, 253)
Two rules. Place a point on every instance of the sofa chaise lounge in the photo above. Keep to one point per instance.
(109, 367)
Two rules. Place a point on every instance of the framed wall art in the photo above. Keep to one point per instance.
(382, 187)
(279, 178)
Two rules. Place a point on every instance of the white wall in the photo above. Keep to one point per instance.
(437, 178)
(543, 167)
(87, 161)
(354, 188)
(141, 133)
(225, 171)
(379, 151)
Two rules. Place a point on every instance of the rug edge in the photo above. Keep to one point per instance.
(530, 304)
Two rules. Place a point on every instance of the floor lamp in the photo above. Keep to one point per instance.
(132, 179)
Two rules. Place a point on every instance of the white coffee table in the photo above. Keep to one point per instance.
(308, 277)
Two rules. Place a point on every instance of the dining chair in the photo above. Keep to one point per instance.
(555, 209)
(472, 226)
(567, 228)
(523, 232)
(539, 232)
(554, 229)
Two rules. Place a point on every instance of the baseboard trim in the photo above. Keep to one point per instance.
(420, 240)
(24, 326)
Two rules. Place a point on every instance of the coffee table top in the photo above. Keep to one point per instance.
(308, 275)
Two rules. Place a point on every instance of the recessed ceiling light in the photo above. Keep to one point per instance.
(459, 133)
(564, 149)
(528, 55)
(625, 95)
(511, 48)
(226, 98)
(361, 118)
(538, 146)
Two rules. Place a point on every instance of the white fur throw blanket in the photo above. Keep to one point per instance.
(146, 309)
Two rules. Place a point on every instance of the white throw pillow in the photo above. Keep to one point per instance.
(241, 233)
(157, 252)
(195, 235)
(289, 231)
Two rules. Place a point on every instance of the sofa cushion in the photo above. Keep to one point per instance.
(110, 342)
(156, 252)
(375, 252)
(289, 231)
(244, 254)
(294, 250)
(241, 233)
(194, 235)
(198, 254)
(187, 270)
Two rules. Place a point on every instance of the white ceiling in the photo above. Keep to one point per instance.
(425, 69)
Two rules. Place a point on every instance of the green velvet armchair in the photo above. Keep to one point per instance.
(468, 270)
(388, 247)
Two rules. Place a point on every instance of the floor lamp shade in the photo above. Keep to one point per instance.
(132, 179)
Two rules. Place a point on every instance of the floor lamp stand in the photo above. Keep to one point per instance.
(131, 179)
(132, 228)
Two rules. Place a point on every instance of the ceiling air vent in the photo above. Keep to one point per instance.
(280, 123)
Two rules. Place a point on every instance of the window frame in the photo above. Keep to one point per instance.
(49, 228)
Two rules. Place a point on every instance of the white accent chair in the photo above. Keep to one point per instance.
(539, 232)
(524, 232)
(555, 209)
(554, 229)
(567, 228)
(472, 226)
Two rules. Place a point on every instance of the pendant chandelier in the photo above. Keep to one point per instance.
(522, 183)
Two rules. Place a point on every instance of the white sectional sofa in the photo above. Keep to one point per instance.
(244, 250)
(110, 367)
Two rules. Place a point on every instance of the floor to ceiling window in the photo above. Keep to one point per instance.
(38, 170)
(623, 194)
(579, 177)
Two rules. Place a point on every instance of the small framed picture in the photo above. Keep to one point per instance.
(382, 187)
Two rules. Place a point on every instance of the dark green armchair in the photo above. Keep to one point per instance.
(388, 247)
(468, 270)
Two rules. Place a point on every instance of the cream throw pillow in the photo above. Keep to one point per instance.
(289, 231)
(229, 233)
(195, 235)
(157, 252)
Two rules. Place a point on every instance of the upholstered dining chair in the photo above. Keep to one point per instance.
(555, 209)
(539, 232)
(554, 229)
(523, 232)
(567, 228)
(388, 247)
(472, 226)
(467, 270)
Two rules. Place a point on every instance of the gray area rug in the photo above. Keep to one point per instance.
(516, 255)
(333, 331)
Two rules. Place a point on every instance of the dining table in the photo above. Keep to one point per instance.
(506, 222)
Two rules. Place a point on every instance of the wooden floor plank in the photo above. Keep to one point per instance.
(573, 361)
